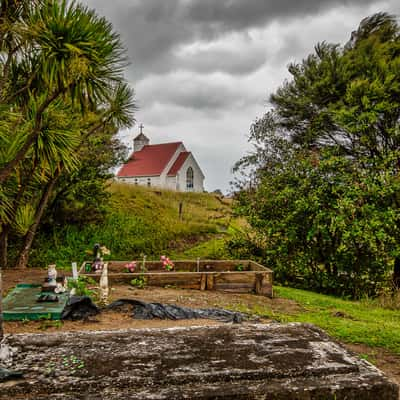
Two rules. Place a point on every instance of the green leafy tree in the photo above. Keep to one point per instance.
(67, 50)
(348, 96)
(321, 186)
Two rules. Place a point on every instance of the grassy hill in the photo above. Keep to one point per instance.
(139, 221)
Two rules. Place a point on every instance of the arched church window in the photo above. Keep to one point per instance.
(189, 178)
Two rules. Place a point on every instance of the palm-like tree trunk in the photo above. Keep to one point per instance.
(4, 246)
(3, 264)
(28, 239)
(1, 307)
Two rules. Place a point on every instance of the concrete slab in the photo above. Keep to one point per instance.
(270, 362)
(21, 303)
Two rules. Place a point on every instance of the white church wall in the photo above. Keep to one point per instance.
(142, 181)
(171, 182)
(198, 177)
(171, 162)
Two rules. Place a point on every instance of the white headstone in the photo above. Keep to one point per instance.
(74, 271)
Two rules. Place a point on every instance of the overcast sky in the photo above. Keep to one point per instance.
(203, 70)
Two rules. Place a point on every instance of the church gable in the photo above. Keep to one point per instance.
(178, 163)
(189, 177)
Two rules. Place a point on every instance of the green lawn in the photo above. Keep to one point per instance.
(361, 322)
(349, 321)
(212, 249)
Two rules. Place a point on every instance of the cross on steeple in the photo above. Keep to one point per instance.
(141, 126)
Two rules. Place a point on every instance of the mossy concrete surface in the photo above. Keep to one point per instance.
(22, 304)
(249, 361)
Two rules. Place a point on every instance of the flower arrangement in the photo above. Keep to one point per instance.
(99, 253)
(104, 251)
(130, 267)
(167, 264)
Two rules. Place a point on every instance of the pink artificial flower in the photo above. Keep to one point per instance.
(167, 263)
(131, 266)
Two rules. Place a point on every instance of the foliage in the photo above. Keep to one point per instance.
(239, 267)
(321, 188)
(244, 243)
(137, 221)
(330, 226)
(139, 282)
(346, 96)
(46, 324)
(81, 286)
(81, 197)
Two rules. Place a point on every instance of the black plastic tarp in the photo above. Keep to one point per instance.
(7, 374)
(143, 310)
(79, 307)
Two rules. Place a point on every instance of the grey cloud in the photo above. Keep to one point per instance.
(153, 29)
(240, 14)
(190, 91)
(241, 62)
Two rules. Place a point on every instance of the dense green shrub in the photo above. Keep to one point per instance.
(327, 223)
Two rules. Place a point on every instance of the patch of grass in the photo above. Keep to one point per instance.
(212, 249)
(349, 321)
(358, 322)
(369, 357)
(46, 324)
(139, 282)
(138, 221)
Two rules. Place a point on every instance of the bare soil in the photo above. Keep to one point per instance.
(383, 359)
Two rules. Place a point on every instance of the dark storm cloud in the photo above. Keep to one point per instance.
(200, 94)
(154, 29)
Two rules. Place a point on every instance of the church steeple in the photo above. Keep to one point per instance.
(140, 140)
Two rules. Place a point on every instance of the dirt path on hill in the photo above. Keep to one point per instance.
(384, 360)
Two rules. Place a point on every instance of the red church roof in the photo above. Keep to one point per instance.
(178, 163)
(149, 161)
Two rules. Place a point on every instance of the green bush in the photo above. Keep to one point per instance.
(81, 286)
(331, 226)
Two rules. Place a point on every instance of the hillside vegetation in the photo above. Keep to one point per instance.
(138, 221)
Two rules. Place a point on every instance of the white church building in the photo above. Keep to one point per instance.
(165, 165)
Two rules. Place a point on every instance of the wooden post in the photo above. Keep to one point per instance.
(104, 290)
(180, 210)
(203, 282)
(263, 284)
(210, 282)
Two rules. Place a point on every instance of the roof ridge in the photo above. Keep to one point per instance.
(162, 144)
